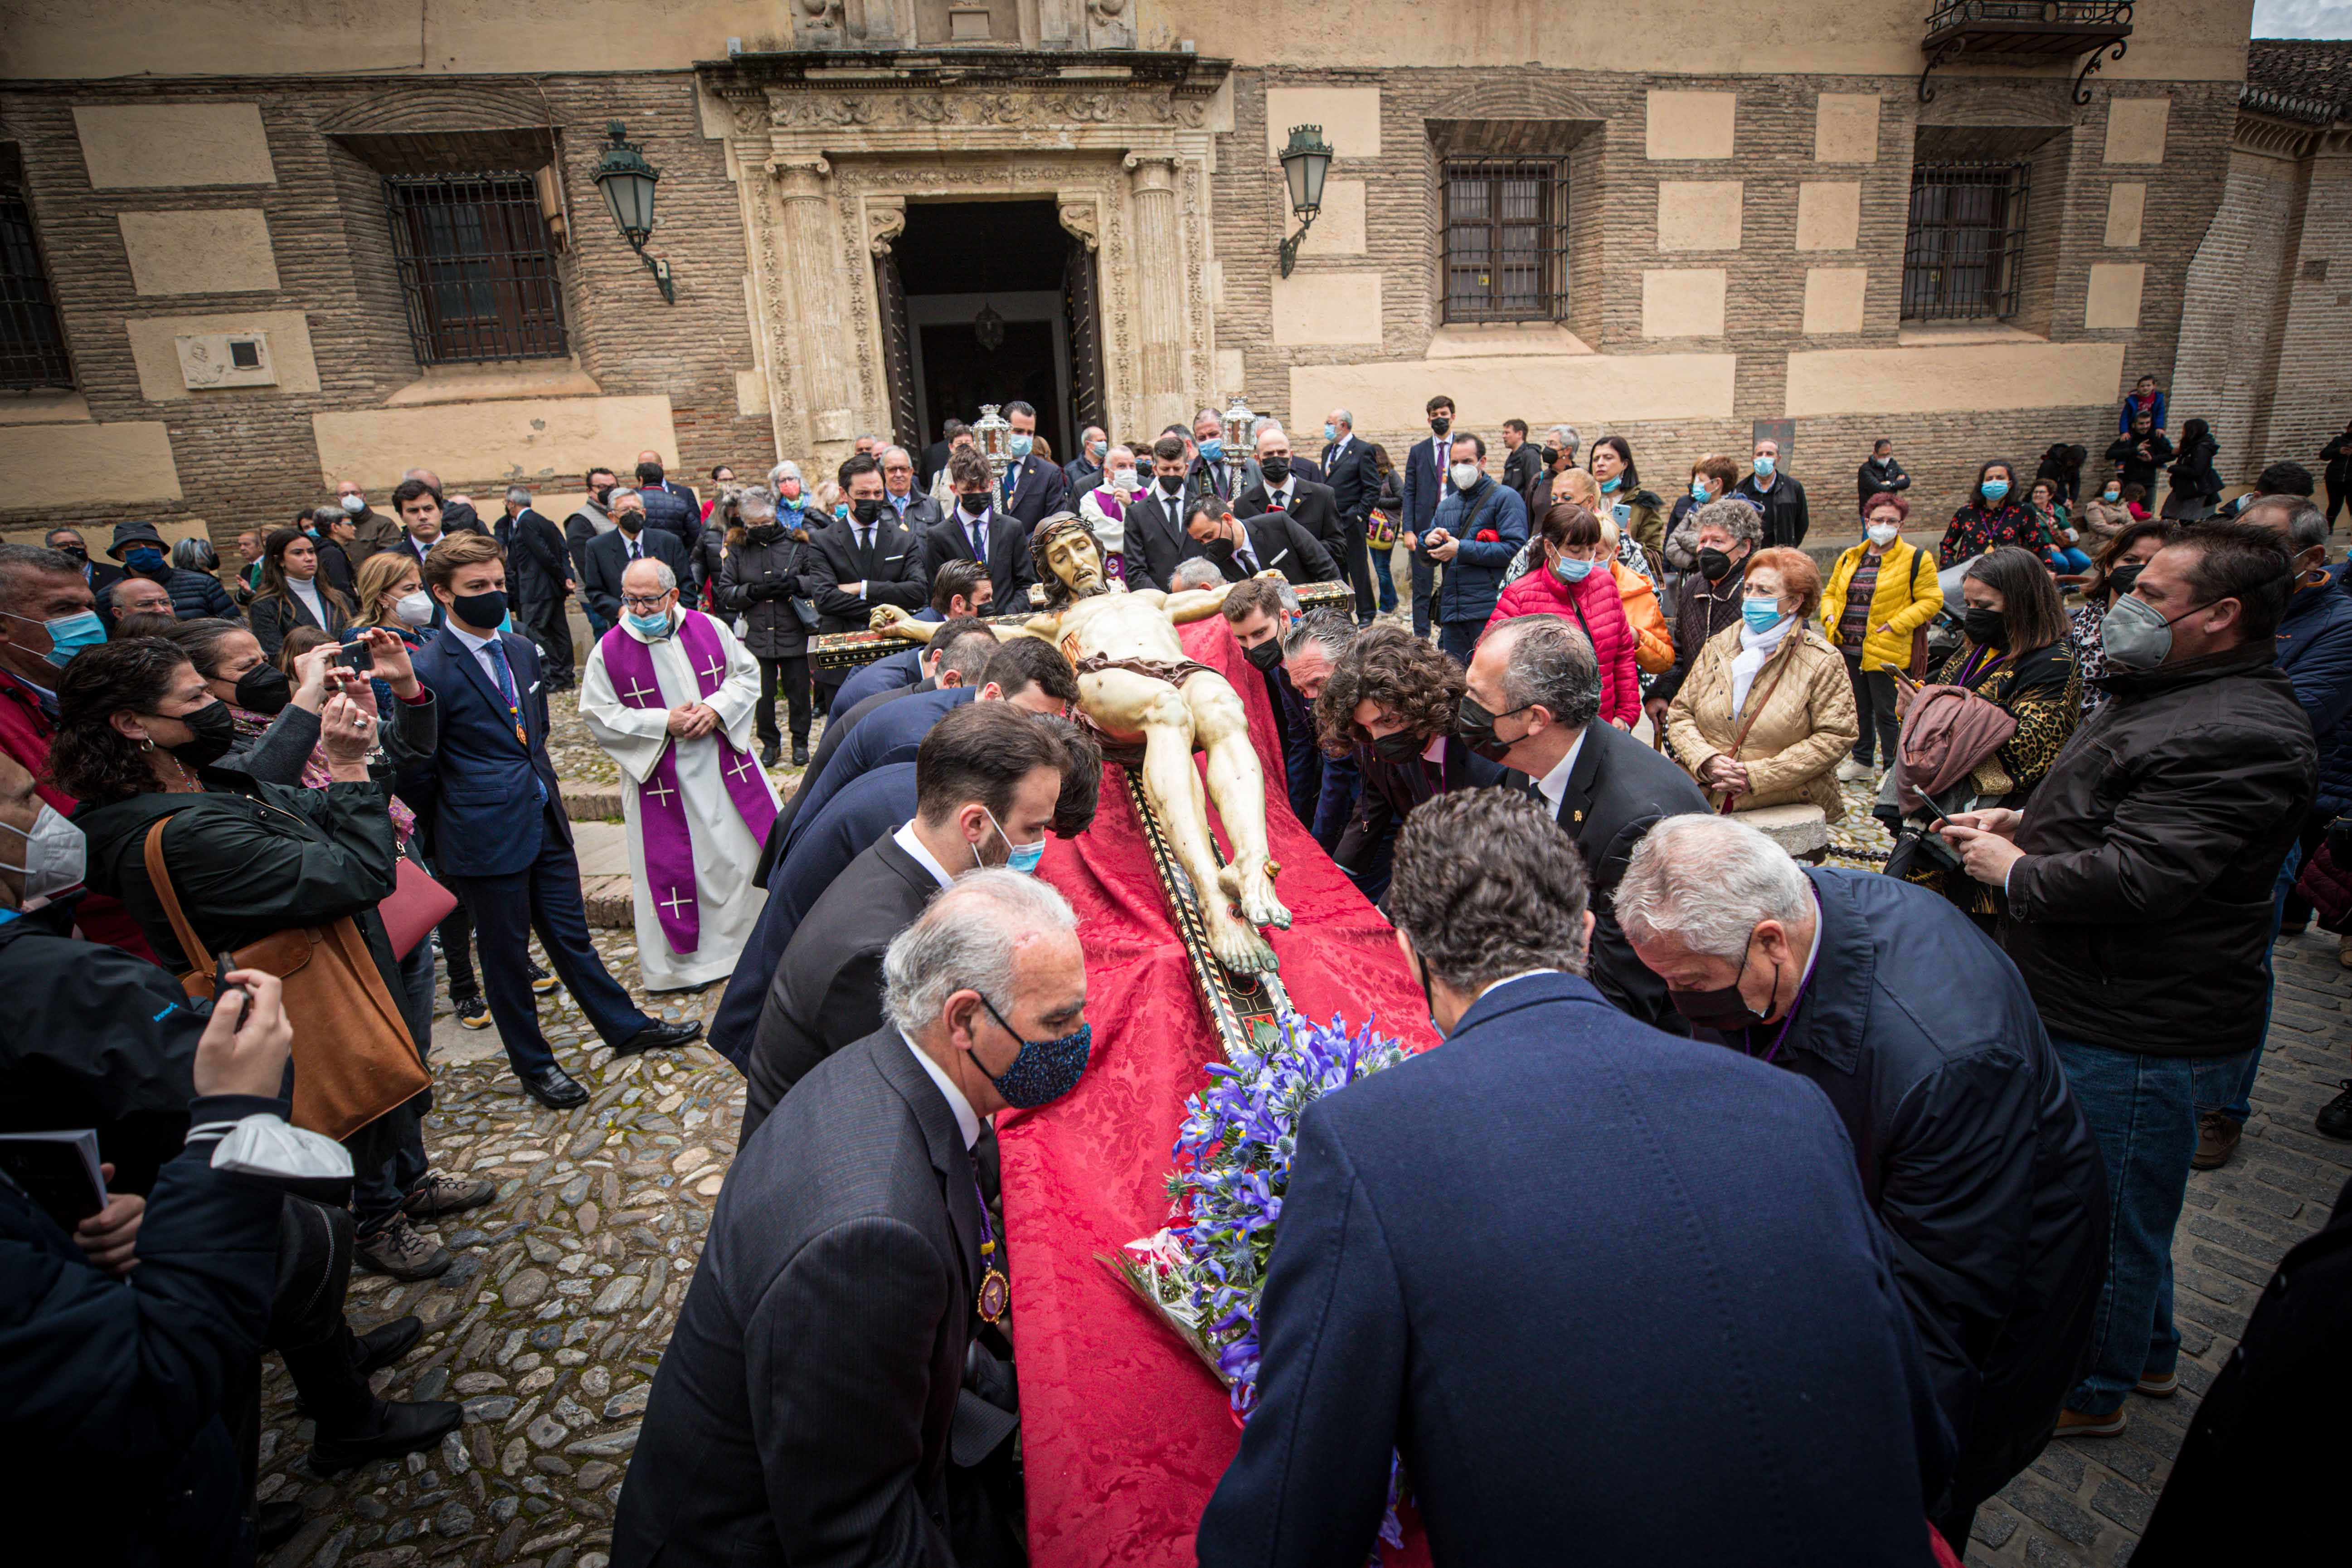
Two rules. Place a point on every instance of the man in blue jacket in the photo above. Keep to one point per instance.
(1479, 526)
(1611, 1296)
(503, 839)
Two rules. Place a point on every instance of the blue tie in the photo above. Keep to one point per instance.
(1012, 477)
(514, 708)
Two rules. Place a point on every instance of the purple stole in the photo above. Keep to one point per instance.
(1114, 561)
(661, 805)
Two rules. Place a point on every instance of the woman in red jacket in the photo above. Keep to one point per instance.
(1574, 583)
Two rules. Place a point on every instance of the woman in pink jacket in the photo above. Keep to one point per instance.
(1574, 581)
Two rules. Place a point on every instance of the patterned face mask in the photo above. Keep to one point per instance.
(1046, 1069)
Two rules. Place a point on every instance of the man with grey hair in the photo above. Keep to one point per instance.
(1533, 691)
(610, 555)
(1311, 649)
(1696, 1212)
(1195, 571)
(1973, 1148)
(539, 575)
(1353, 476)
(915, 508)
(847, 1316)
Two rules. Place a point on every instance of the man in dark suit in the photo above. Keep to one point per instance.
(865, 560)
(541, 574)
(935, 455)
(1425, 485)
(915, 508)
(1156, 538)
(1215, 471)
(1031, 487)
(671, 508)
(825, 1355)
(1522, 463)
(1531, 703)
(1762, 1396)
(1355, 481)
(609, 555)
(1260, 614)
(1283, 486)
(1082, 472)
(590, 522)
(988, 777)
(979, 531)
(500, 837)
(1270, 542)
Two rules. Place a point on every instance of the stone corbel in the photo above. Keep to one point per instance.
(886, 220)
(1081, 216)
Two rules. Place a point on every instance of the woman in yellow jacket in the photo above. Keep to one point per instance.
(1879, 593)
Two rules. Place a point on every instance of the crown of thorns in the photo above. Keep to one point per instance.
(1042, 537)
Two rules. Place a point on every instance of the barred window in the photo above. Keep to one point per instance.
(477, 268)
(32, 346)
(1965, 247)
(1506, 237)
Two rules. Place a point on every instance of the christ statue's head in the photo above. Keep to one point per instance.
(1069, 563)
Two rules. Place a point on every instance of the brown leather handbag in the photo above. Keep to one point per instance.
(354, 1057)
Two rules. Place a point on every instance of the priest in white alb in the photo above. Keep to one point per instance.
(669, 693)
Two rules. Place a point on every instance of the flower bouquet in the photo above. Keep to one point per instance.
(1204, 1271)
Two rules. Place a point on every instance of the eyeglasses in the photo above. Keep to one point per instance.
(644, 606)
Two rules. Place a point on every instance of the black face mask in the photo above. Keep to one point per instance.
(1276, 469)
(764, 532)
(1399, 746)
(974, 505)
(215, 731)
(1985, 629)
(485, 610)
(1714, 565)
(1440, 426)
(1723, 1008)
(603, 493)
(1264, 655)
(2120, 580)
(1551, 456)
(264, 689)
(77, 552)
(866, 511)
(1475, 725)
(629, 522)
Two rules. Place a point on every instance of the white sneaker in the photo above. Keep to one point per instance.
(1851, 772)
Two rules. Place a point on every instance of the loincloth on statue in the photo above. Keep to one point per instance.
(1175, 672)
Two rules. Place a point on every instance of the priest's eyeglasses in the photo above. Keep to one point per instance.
(640, 603)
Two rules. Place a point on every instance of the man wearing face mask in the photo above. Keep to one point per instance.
(1530, 701)
(977, 805)
(1553, 1148)
(977, 530)
(588, 523)
(1260, 614)
(1083, 471)
(1880, 474)
(1216, 471)
(1973, 1151)
(144, 554)
(543, 580)
(2139, 882)
(1155, 540)
(1778, 496)
(1427, 484)
(850, 1312)
(1031, 487)
(1477, 529)
(376, 530)
(870, 559)
(1284, 485)
(631, 540)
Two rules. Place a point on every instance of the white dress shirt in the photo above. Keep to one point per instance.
(481, 649)
(967, 1119)
(906, 839)
(1554, 783)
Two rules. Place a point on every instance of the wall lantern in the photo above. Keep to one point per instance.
(627, 182)
(1303, 164)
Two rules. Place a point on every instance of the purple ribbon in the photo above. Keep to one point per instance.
(661, 804)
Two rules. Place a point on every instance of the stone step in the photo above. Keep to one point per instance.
(609, 902)
(585, 801)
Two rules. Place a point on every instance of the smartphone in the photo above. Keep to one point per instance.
(356, 655)
(223, 985)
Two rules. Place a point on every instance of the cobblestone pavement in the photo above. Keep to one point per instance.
(552, 1321)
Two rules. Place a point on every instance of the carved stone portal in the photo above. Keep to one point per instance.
(826, 172)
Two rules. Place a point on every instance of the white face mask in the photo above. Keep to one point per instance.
(1882, 534)
(415, 609)
(1464, 475)
(354, 504)
(55, 856)
(1122, 480)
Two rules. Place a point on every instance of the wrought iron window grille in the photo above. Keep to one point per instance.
(477, 268)
(32, 343)
(1505, 232)
(1964, 248)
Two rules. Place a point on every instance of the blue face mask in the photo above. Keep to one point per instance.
(1765, 464)
(1046, 1069)
(840, 512)
(1019, 444)
(1020, 857)
(1994, 489)
(68, 635)
(1612, 483)
(654, 626)
(1569, 571)
(145, 558)
(1698, 490)
(1213, 448)
(1330, 432)
(1762, 615)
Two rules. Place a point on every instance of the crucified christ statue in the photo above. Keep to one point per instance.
(1136, 684)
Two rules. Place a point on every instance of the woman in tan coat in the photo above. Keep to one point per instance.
(1767, 711)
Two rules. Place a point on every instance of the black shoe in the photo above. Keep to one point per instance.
(800, 753)
(542, 981)
(2335, 1118)
(472, 1012)
(391, 1431)
(660, 1038)
(772, 751)
(380, 1347)
(554, 1088)
(277, 1524)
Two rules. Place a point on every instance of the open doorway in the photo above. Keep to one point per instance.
(991, 302)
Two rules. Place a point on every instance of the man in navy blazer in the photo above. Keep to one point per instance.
(1612, 1295)
(1425, 485)
(608, 555)
(1030, 488)
(503, 843)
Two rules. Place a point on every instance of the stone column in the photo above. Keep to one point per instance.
(1161, 261)
(805, 185)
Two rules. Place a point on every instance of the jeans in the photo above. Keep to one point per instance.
(1874, 704)
(396, 1161)
(1460, 639)
(2143, 1111)
(1425, 583)
(792, 675)
(2335, 504)
(2067, 560)
(1387, 581)
(2240, 1104)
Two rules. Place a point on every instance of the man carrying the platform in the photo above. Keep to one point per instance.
(1140, 691)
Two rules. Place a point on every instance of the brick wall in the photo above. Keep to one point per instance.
(250, 457)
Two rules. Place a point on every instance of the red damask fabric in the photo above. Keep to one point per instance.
(1125, 1432)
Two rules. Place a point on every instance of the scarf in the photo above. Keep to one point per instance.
(1755, 649)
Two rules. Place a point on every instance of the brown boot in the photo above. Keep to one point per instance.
(2217, 1140)
(2073, 1422)
(399, 1251)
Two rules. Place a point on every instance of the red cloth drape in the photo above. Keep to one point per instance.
(1125, 1433)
